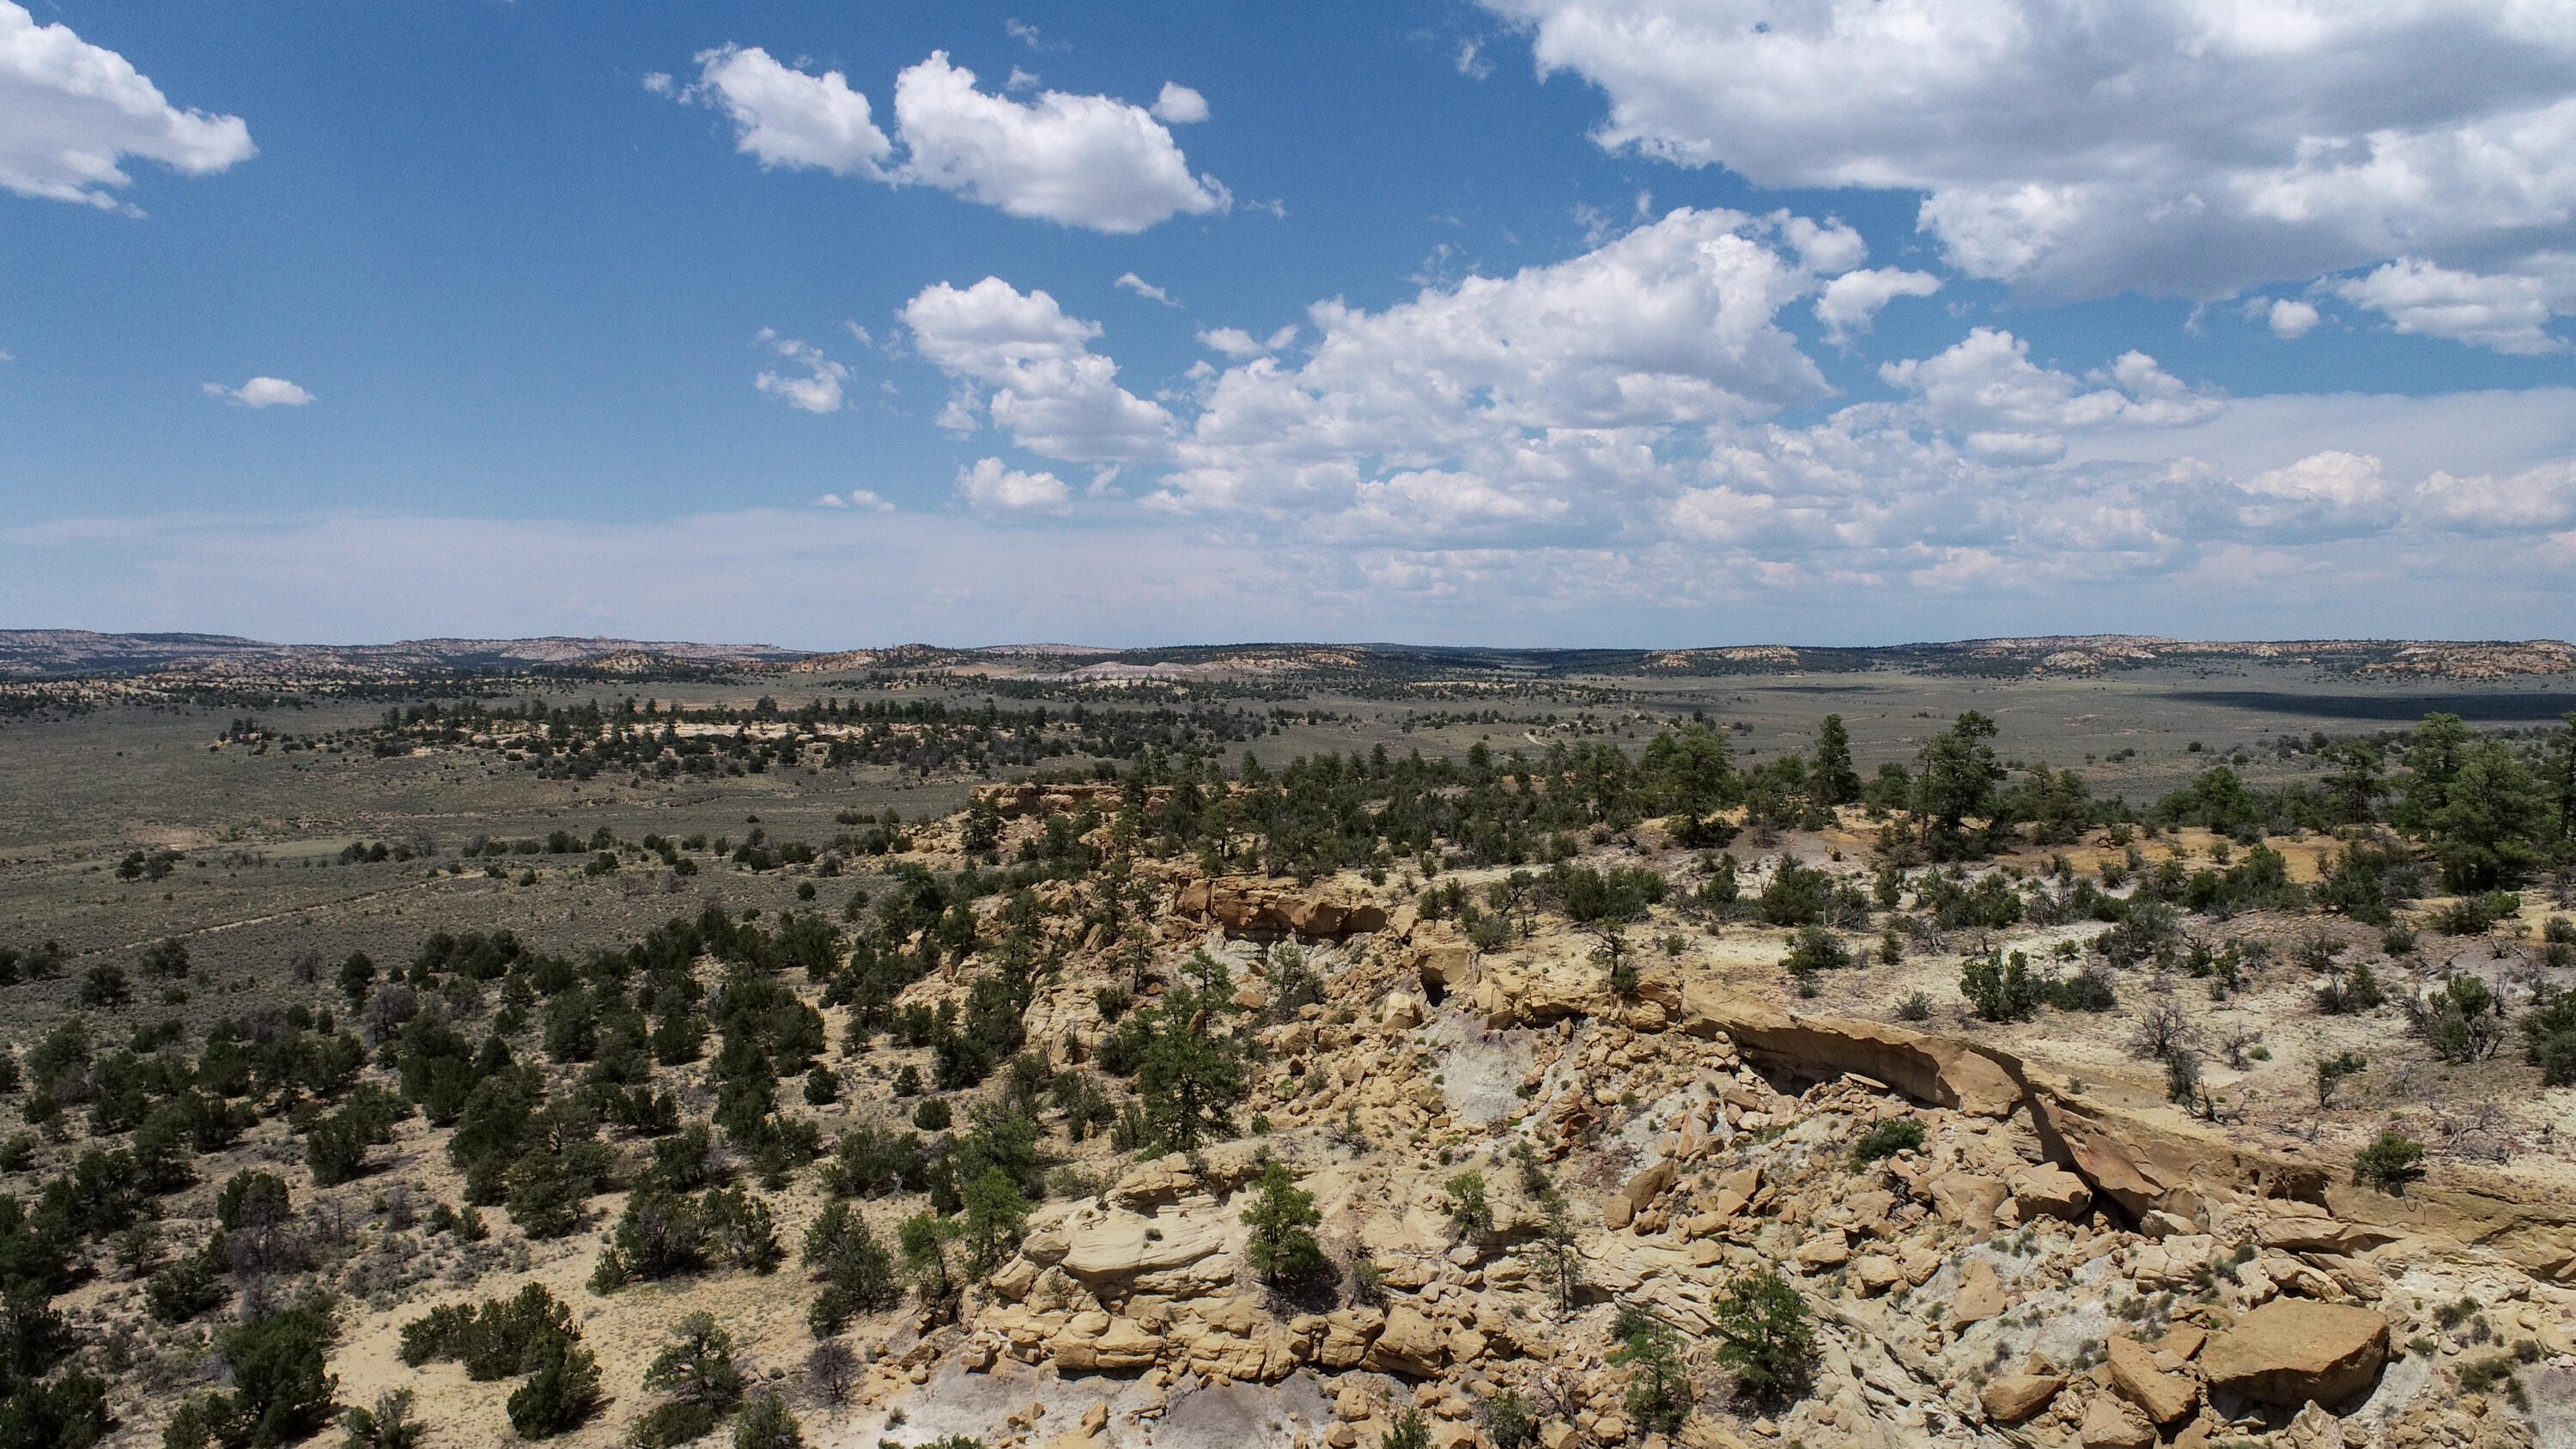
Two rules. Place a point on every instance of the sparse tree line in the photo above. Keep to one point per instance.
(923, 736)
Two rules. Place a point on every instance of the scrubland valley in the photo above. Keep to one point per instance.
(2040, 1043)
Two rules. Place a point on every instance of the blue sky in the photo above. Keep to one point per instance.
(1538, 321)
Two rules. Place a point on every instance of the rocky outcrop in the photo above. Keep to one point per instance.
(1250, 905)
(1928, 1068)
(2048, 1190)
(2291, 1351)
(2015, 1397)
(2162, 1395)
(2144, 1169)
(1621, 1208)
(2112, 1422)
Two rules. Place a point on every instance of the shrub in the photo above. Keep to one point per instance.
(495, 1340)
(1509, 1422)
(2182, 1076)
(2332, 1070)
(2082, 991)
(868, 1163)
(2389, 1163)
(2357, 993)
(767, 1424)
(932, 1115)
(280, 1391)
(105, 987)
(742, 1229)
(190, 1286)
(388, 1425)
(1282, 1219)
(1408, 1430)
(2473, 915)
(1469, 1212)
(2549, 1037)
(1768, 1344)
(69, 1413)
(1888, 1138)
(660, 1235)
(1659, 1390)
(1815, 949)
(560, 1396)
(665, 1425)
(2001, 989)
(2478, 1375)
(2462, 1022)
(697, 1366)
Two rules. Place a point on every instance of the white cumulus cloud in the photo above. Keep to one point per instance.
(1232, 341)
(262, 392)
(1606, 427)
(1180, 105)
(71, 111)
(1988, 383)
(1087, 161)
(1056, 396)
(818, 390)
(789, 118)
(2291, 318)
(2507, 313)
(2169, 146)
(991, 488)
(1852, 301)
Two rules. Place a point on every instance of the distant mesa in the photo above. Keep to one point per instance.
(62, 654)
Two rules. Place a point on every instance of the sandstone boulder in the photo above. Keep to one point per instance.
(1411, 1344)
(2164, 1396)
(1980, 1295)
(2112, 1422)
(2015, 1397)
(1621, 1207)
(1967, 1199)
(2050, 1191)
(1347, 1335)
(1832, 1250)
(2292, 1350)
(1123, 1245)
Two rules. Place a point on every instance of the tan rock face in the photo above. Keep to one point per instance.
(2050, 1191)
(1411, 1344)
(2015, 1397)
(1621, 1208)
(2134, 1373)
(1123, 1245)
(2112, 1422)
(1950, 1073)
(2291, 1350)
(1828, 1251)
(1878, 1272)
(1967, 1199)
(1980, 1295)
